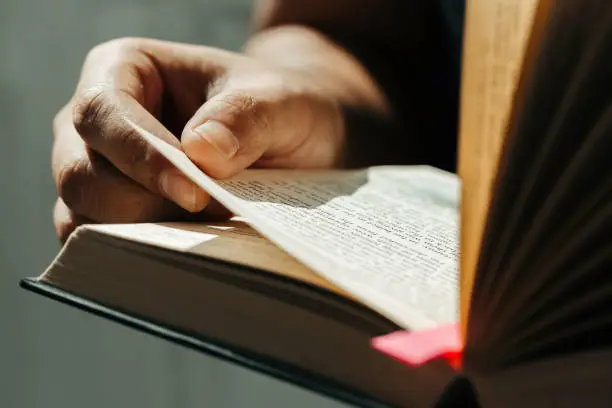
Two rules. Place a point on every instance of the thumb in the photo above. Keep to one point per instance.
(235, 129)
(230, 132)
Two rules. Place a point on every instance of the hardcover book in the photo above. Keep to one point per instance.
(316, 263)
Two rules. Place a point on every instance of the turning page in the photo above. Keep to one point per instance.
(387, 235)
(495, 44)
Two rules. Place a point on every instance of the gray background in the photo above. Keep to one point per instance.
(52, 355)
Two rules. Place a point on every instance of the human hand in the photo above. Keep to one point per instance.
(231, 112)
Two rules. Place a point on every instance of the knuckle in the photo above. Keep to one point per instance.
(72, 182)
(92, 105)
(90, 109)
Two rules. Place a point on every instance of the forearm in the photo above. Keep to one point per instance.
(380, 59)
(337, 73)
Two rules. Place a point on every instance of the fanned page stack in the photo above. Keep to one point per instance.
(536, 269)
(316, 263)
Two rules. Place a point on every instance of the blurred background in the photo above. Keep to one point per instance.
(52, 355)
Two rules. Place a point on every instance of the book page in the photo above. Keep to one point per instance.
(387, 235)
(567, 381)
(496, 36)
(232, 241)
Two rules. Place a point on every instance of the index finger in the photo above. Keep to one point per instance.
(121, 85)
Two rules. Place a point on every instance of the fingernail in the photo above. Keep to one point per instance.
(182, 191)
(219, 137)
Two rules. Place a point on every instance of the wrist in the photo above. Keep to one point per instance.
(331, 71)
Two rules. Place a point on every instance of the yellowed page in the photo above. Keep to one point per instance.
(232, 241)
(496, 36)
(387, 235)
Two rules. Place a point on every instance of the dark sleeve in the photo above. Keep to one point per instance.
(441, 149)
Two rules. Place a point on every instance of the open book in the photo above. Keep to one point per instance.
(318, 262)
(313, 266)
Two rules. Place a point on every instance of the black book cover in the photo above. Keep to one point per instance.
(263, 364)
